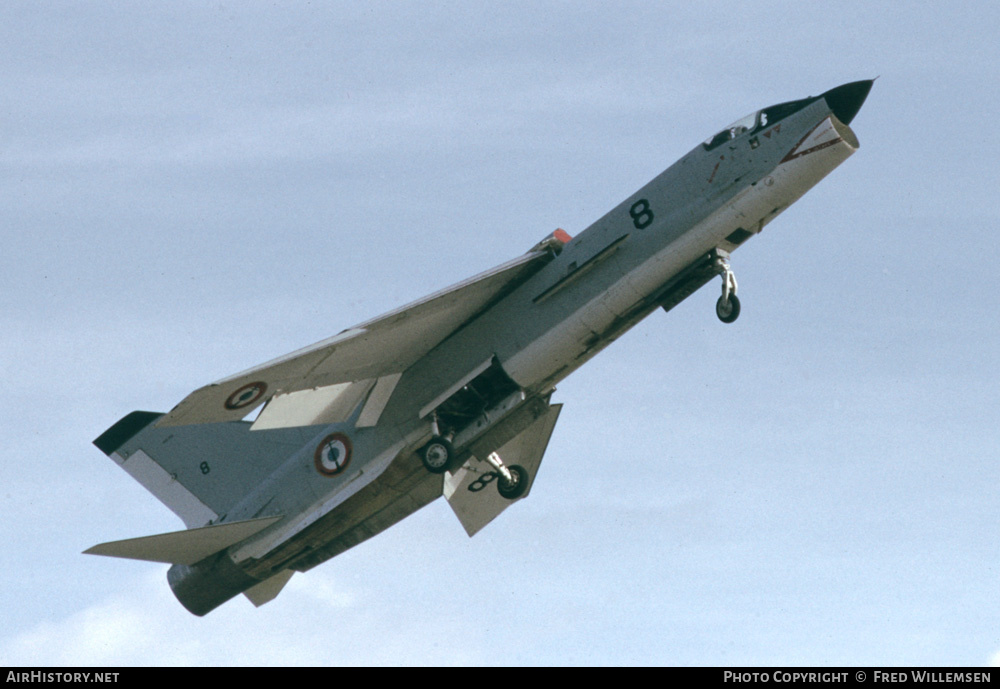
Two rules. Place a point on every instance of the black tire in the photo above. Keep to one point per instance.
(436, 455)
(512, 490)
(728, 312)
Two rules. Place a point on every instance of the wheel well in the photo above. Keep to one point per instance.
(470, 401)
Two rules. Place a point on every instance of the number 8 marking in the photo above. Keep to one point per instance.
(482, 481)
(642, 214)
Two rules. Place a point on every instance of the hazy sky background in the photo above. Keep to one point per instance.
(189, 189)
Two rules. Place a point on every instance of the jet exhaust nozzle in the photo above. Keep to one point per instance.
(204, 586)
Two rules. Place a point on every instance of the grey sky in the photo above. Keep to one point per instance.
(190, 189)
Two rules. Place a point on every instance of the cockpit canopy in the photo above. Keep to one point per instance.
(756, 121)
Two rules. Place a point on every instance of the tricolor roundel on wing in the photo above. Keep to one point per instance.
(245, 396)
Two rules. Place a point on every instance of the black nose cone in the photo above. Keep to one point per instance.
(846, 100)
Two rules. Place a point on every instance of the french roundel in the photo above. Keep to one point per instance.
(246, 395)
(333, 454)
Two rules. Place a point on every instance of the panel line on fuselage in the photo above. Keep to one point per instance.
(582, 270)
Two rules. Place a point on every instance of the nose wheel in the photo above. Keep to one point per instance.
(727, 308)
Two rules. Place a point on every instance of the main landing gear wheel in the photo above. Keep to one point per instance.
(728, 310)
(436, 455)
(516, 486)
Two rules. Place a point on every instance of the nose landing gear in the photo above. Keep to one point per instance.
(727, 308)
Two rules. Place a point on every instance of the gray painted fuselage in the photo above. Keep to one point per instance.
(541, 342)
(602, 282)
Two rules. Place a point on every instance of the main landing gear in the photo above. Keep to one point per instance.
(437, 455)
(727, 308)
(512, 481)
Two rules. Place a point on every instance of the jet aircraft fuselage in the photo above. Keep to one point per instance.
(451, 395)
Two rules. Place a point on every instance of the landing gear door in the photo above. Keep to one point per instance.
(472, 491)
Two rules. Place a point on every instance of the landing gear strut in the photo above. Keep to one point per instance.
(727, 308)
(512, 481)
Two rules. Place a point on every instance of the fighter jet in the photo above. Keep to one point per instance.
(280, 468)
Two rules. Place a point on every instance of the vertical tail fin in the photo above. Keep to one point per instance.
(198, 471)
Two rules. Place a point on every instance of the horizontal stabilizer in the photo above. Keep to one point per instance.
(183, 547)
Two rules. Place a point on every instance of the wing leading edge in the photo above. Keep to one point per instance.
(361, 361)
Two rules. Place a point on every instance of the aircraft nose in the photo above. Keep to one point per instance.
(846, 100)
